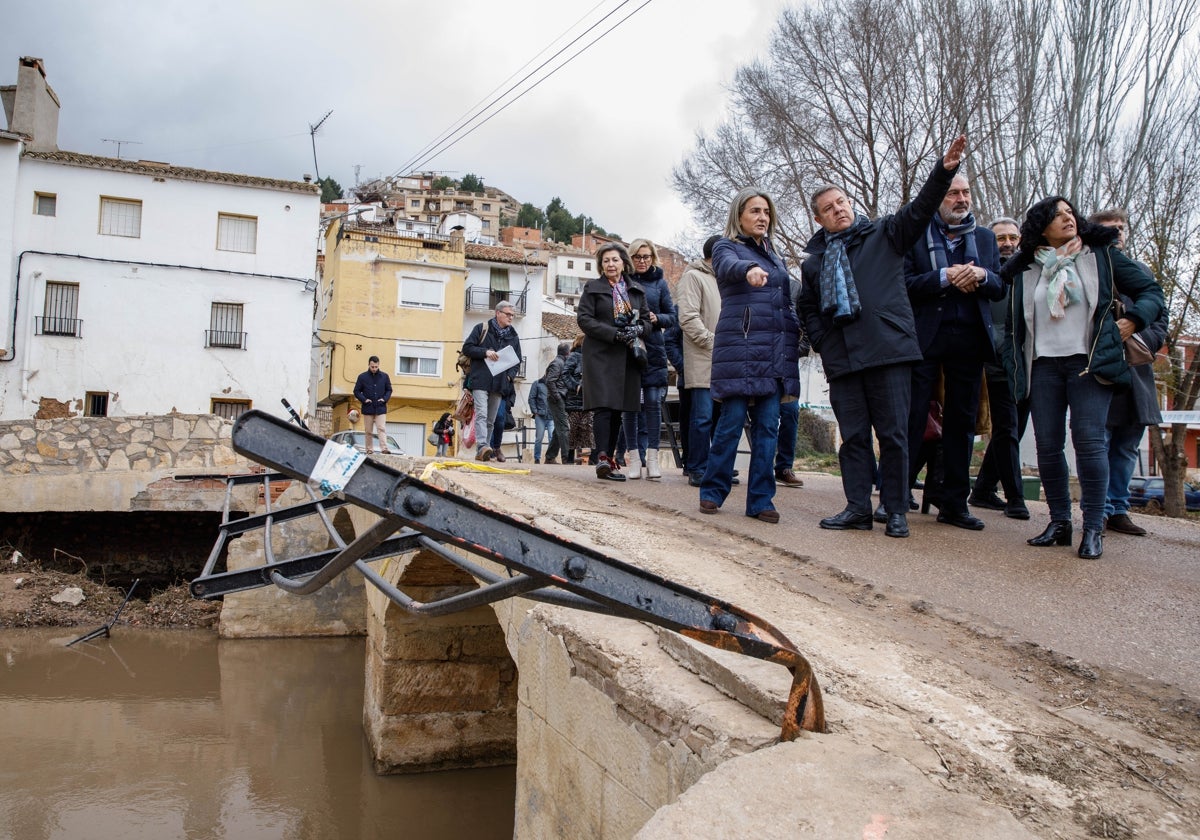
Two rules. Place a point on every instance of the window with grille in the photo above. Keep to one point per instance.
(120, 217)
(60, 311)
(419, 359)
(225, 326)
(236, 233)
(570, 264)
(45, 204)
(421, 293)
(230, 409)
(95, 404)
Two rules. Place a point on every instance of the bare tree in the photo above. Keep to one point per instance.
(1094, 99)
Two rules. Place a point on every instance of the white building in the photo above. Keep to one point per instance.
(145, 288)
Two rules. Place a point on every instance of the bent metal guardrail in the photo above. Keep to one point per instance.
(541, 566)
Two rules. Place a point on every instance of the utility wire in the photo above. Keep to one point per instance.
(463, 134)
(462, 118)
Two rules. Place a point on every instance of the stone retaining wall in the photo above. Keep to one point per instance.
(119, 456)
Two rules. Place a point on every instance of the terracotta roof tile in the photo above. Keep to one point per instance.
(183, 173)
(563, 327)
(500, 253)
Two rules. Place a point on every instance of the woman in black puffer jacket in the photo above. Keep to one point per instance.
(644, 428)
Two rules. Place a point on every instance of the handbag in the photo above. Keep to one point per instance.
(464, 409)
(1136, 350)
(433, 439)
(933, 423)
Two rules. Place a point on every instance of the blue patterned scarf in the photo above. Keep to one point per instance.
(936, 241)
(839, 295)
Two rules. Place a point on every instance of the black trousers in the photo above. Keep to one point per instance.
(606, 427)
(1002, 460)
(959, 357)
(876, 398)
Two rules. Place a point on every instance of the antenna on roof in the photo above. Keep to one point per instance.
(121, 143)
(312, 130)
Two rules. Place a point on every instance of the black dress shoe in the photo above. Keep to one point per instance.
(960, 520)
(1092, 544)
(1058, 532)
(897, 525)
(1016, 510)
(988, 501)
(912, 503)
(848, 520)
(695, 479)
(880, 515)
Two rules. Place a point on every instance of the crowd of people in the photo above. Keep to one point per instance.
(915, 315)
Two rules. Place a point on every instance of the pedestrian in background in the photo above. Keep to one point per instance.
(539, 407)
(373, 389)
(643, 428)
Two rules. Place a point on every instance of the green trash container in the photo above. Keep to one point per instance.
(1031, 487)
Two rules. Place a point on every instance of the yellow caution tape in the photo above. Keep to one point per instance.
(478, 466)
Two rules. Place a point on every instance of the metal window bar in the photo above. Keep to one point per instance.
(482, 299)
(541, 565)
(57, 326)
(225, 326)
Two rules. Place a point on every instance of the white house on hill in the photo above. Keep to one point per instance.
(145, 288)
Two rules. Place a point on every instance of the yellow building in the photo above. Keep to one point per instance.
(398, 295)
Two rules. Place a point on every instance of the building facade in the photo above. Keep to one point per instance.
(399, 295)
(138, 287)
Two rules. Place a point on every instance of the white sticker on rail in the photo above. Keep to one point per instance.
(335, 467)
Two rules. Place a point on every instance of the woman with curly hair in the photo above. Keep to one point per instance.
(1064, 350)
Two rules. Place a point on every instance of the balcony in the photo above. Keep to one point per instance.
(225, 338)
(483, 299)
(44, 325)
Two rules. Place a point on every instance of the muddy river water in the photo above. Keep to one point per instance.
(176, 734)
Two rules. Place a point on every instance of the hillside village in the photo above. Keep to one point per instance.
(143, 287)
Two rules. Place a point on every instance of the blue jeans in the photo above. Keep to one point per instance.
(1054, 386)
(645, 426)
(1123, 445)
(789, 427)
(764, 435)
(701, 430)
(541, 426)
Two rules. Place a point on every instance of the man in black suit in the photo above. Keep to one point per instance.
(854, 308)
(952, 274)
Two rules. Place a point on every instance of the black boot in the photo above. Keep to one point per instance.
(1092, 544)
(1058, 532)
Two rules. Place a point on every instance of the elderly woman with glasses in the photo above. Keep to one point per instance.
(613, 316)
(1064, 350)
(756, 353)
(643, 429)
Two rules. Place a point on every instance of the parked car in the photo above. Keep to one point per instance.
(1147, 491)
(359, 441)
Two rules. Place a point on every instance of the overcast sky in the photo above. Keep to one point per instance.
(234, 86)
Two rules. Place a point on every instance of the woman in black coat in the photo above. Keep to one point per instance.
(613, 316)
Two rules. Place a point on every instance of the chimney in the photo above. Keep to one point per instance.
(32, 108)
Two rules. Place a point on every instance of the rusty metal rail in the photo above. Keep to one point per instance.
(541, 566)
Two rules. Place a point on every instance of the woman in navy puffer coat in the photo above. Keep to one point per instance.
(756, 353)
(645, 426)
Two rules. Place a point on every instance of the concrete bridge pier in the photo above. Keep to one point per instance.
(441, 693)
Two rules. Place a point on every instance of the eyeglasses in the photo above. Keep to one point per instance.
(642, 257)
(507, 312)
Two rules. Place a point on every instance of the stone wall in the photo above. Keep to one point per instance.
(121, 457)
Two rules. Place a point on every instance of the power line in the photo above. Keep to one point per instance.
(462, 135)
(465, 114)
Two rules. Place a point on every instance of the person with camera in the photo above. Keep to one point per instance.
(613, 316)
